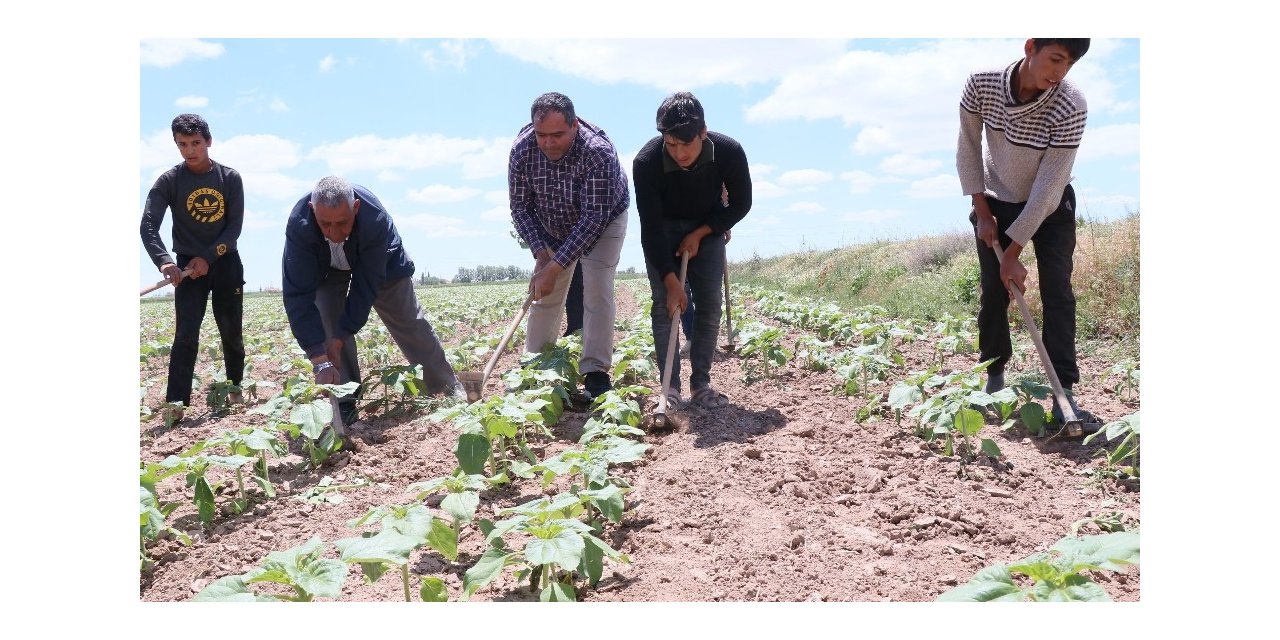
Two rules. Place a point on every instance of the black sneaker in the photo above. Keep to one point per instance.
(596, 384)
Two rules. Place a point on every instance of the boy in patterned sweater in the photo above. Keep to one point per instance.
(1034, 121)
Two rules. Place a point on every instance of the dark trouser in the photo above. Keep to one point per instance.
(706, 270)
(398, 307)
(226, 281)
(1055, 242)
(573, 302)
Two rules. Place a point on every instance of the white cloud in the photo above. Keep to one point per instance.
(191, 102)
(254, 219)
(274, 185)
(761, 170)
(327, 63)
(671, 65)
(905, 164)
(256, 152)
(496, 214)
(871, 215)
(451, 53)
(440, 194)
(388, 175)
(763, 189)
(804, 179)
(498, 196)
(168, 53)
(766, 221)
(940, 186)
(906, 102)
(862, 182)
(1110, 140)
(804, 207)
(278, 105)
(158, 151)
(479, 158)
(434, 226)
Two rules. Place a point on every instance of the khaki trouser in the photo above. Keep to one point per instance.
(599, 310)
(398, 307)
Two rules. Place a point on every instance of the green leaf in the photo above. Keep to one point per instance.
(230, 589)
(1032, 415)
(557, 592)
(442, 538)
(268, 489)
(485, 570)
(1075, 588)
(388, 546)
(968, 422)
(312, 417)
(303, 567)
(372, 571)
(992, 584)
(1109, 550)
(608, 500)
(204, 500)
(433, 590)
(415, 522)
(563, 549)
(592, 564)
(472, 452)
(461, 506)
(903, 395)
(989, 447)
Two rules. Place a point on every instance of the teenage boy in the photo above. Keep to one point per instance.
(1034, 119)
(683, 178)
(207, 200)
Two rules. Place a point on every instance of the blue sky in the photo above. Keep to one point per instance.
(849, 140)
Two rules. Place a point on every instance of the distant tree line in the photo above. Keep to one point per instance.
(487, 273)
(427, 278)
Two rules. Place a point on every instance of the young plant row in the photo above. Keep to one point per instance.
(553, 542)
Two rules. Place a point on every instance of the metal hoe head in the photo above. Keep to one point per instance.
(473, 382)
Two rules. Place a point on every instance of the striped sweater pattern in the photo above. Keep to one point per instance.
(1031, 147)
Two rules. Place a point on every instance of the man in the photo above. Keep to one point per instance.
(569, 202)
(1034, 121)
(343, 257)
(684, 178)
(207, 200)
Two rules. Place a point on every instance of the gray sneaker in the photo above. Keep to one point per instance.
(995, 381)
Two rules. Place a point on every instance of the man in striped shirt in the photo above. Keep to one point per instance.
(1034, 121)
(569, 202)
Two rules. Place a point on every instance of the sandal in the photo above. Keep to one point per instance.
(709, 398)
(674, 401)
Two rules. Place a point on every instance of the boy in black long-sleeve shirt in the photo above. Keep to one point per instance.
(207, 200)
(682, 178)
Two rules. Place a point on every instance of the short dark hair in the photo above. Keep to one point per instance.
(189, 124)
(681, 116)
(552, 101)
(1076, 47)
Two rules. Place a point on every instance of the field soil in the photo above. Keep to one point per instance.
(780, 496)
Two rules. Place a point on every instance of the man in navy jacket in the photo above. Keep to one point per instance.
(343, 257)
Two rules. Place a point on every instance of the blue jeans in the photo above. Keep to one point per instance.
(706, 271)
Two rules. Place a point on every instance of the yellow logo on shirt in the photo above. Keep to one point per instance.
(221, 249)
(206, 205)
